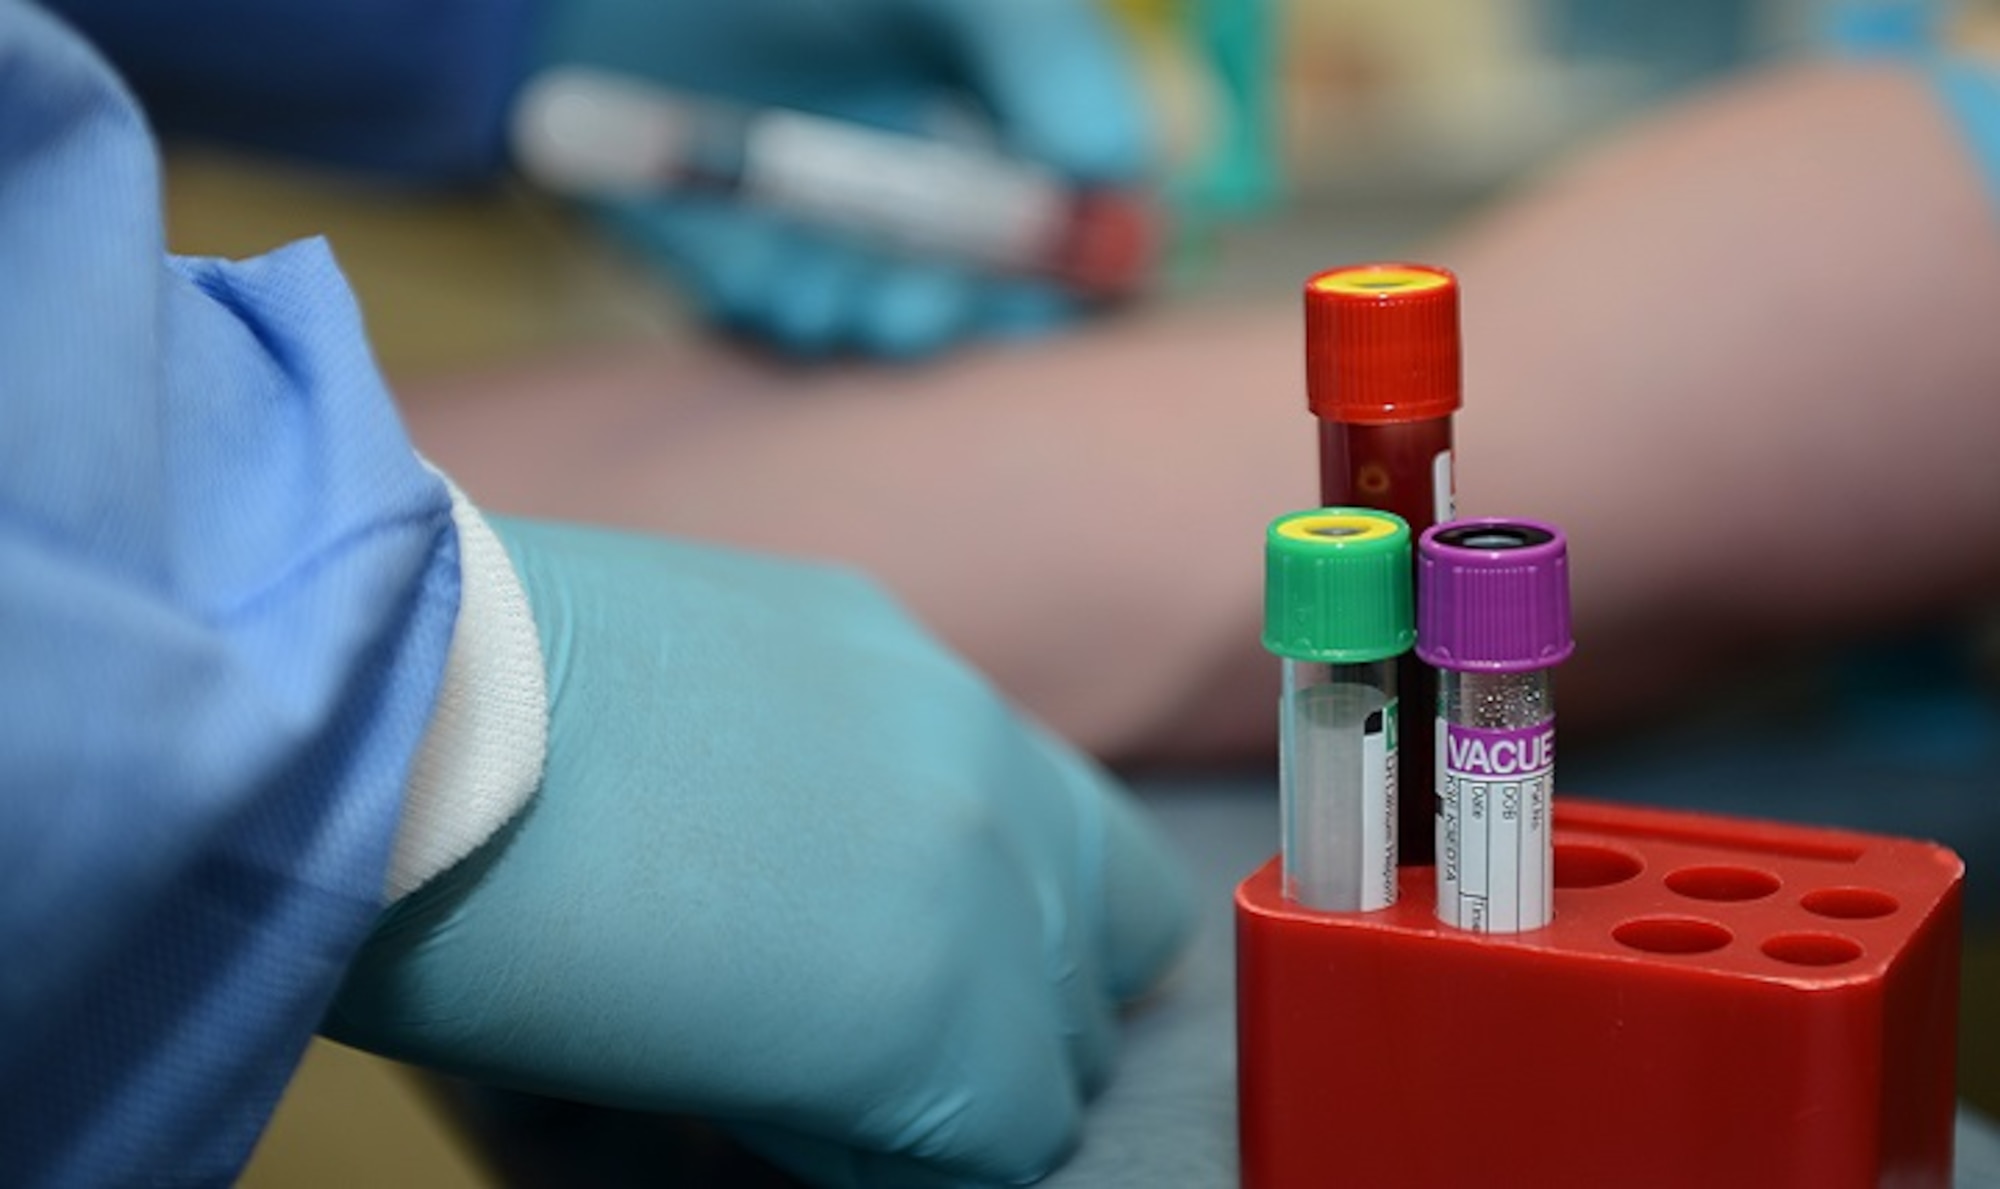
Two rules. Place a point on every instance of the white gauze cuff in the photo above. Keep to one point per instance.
(481, 757)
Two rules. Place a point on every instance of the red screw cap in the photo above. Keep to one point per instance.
(1382, 343)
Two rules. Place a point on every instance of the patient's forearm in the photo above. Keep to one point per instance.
(1749, 358)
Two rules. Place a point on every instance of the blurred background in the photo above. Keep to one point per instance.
(1307, 133)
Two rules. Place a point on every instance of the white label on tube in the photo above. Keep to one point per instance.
(1447, 833)
(1444, 487)
(1378, 809)
(1494, 815)
(1339, 842)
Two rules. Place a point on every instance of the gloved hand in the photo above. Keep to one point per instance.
(1050, 73)
(791, 866)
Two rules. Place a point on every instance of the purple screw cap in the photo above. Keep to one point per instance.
(1493, 596)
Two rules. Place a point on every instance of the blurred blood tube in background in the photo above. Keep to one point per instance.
(593, 134)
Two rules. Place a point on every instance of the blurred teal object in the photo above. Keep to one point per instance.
(1673, 45)
(1241, 175)
(1883, 26)
(1970, 92)
(1916, 32)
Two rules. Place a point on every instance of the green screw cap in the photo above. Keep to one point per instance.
(1337, 586)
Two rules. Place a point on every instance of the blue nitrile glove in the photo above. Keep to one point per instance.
(791, 866)
(1051, 73)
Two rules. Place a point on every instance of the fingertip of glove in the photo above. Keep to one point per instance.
(916, 312)
(1144, 887)
(809, 304)
(1149, 901)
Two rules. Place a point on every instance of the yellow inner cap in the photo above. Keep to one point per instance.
(1336, 527)
(1370, 280)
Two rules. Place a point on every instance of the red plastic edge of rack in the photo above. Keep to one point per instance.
(1719, 1002)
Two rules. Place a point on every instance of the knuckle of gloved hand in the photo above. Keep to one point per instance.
(960, 885)
(960, 840)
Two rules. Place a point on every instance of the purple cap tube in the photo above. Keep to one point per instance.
(1495, 596)
(1493, 617)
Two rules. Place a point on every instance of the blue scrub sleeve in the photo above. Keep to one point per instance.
(227, 590)
(417, 88)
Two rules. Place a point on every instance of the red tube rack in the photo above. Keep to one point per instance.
(1718, 1003)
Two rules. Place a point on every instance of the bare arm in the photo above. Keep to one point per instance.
(1749, 356)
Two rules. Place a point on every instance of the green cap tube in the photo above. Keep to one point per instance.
(1337, 586)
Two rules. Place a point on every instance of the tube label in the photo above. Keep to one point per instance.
(1378, 808)
(1494, 851)
(1337, 786)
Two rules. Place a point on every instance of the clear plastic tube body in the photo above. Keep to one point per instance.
(1495, 762)
(1337, 784)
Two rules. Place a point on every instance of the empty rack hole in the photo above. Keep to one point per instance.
(1849, 904)
(1722, 883)
(1587, 865)
(1782, 843)
(1812, 949)
(1672, 935)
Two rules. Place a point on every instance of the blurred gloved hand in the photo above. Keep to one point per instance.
(792, 866)
(1051, 74)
